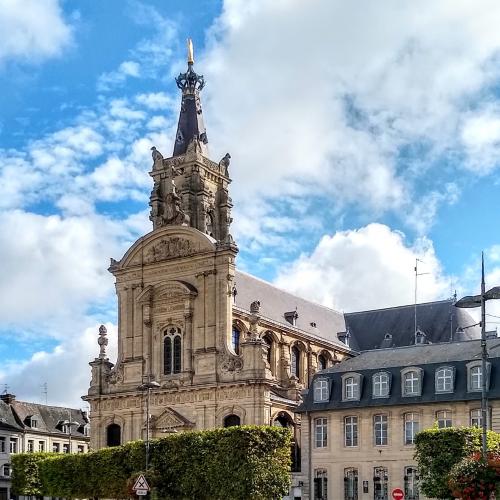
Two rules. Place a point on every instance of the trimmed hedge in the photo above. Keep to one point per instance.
(438, 450)
(233, 463)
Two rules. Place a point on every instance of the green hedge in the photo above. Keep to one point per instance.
(438, 450)
(233, 463)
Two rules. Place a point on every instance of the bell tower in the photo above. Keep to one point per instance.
(189, 188)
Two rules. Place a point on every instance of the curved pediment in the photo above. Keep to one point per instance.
(171, 242)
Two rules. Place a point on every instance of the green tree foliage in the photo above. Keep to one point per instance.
(25, 476)
(438, 450)
(234, 463)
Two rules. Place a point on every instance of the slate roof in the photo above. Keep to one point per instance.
(438, 320)
(427, 357)
(274, 303)
(7, 419)
(48, 417)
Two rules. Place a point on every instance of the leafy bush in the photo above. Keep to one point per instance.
(233, 463)
(438, 450)
(25, 476)
(473, 478)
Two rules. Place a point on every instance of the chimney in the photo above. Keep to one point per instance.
(7, 398)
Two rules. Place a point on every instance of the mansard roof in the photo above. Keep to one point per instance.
(7, 419)
(437, 320)
(49, 418)
(428, 358)
(274, 303)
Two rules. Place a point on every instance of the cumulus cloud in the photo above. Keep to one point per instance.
(55, 268)
(367, 268)
(354, 102)
(32, 30)
(65, 369)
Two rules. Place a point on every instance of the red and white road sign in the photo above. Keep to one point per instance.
(141, 486)
(398, 494)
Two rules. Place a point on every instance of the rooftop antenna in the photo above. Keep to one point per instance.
(45, 392)
(417, 274)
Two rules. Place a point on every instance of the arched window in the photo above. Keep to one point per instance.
(321, 362)
(296, 361)
(269, 342)
(232, 420)
(172, 350)
(113, 435)
(235, 340)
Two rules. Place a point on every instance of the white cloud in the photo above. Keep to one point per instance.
(32, 30)
(54, 268)
(108, 81)
(65, 369)
(364, 269)
(337, 91)
(481, 138)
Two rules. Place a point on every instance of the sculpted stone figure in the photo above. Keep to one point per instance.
(224, 164)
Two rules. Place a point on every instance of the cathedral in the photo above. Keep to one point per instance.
(204, 344)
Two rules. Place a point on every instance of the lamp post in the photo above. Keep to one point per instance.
(69, 423)
(472, 301)
(147, 386)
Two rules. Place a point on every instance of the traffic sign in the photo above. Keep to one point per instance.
(397, 494)
(141, 486)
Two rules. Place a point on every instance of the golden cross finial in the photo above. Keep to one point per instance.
(190, 51)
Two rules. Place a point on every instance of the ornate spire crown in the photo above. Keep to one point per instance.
(190, 80)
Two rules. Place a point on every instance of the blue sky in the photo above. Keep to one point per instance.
(361, 139)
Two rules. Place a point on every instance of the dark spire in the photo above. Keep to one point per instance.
(191, 124)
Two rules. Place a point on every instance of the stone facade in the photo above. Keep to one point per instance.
(361, 447)
(32, 427)
(181, 320)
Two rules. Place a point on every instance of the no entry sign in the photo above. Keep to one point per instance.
(397, 494)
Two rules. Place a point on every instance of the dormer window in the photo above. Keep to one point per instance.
(420, 337)
(292, 317)
(475, 376)
(411, 381)
(444, 379)
(32, 421)
(351, 383)
(321, 392)
(380, 385)
(344, 337)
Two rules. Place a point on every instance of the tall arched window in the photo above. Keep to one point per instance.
(231, 421)
(113, 435)
(172, 350)
(321, 362)
(235, 339)
(269, 342)
(296, 361)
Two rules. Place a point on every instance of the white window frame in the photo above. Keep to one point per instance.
(6, 470)
(416, 384)
(474, 374)
(351, 386)
(321, 392)
(321, 432)
(411, 427)
(31, 445)
(2, 444)
(14, 445)
(445, 416)
(444, 379)
(381, 429)
(476, 417)
(380, 384)
(351, 431)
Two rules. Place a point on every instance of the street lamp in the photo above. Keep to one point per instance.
(69, 424)
(472, 301)
(147, 386)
